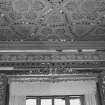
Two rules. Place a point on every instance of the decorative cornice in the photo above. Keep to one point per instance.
(52, 63)
(51, 57)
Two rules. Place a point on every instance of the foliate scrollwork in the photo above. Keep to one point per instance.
(46, 31)
(37, 5)
(101, 21)
(71, 5)
(30, 16)
(14, 15)
(47, 68)
(99, 31)
(88, 6)
(88, 17)
(21, 6)
(81, 30)
(4, 34)
(22, 31)
(60, 31)
(4, 21)
(5, 5)
(93, 6)
(100, 7)
(55, 17)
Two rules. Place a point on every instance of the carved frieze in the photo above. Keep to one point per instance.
(53, 63)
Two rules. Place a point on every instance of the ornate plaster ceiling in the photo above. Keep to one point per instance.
(52, 20)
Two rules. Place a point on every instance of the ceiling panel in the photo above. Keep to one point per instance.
(52, 20)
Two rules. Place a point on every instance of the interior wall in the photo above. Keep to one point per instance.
(46, 88)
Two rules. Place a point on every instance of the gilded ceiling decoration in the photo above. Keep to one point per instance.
(52, 20)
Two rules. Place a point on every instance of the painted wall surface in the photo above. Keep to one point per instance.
(45, 88)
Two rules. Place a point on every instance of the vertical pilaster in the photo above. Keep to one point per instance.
(3, 87)
(101, 88)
